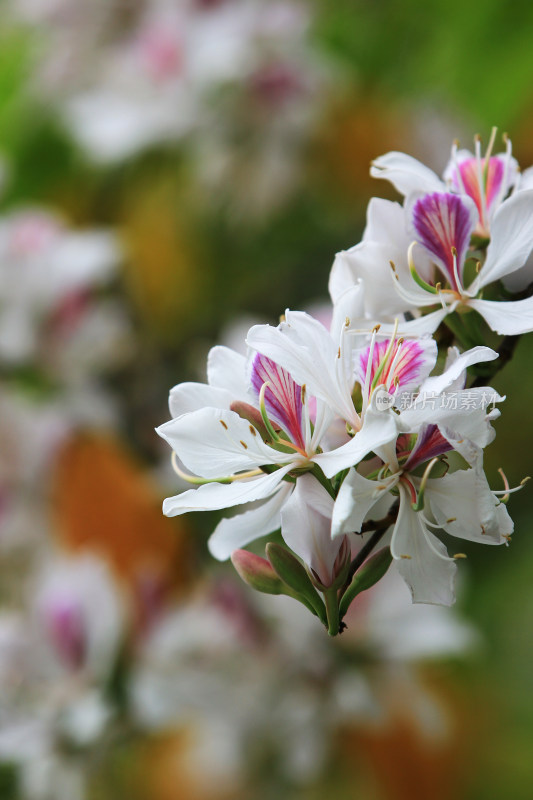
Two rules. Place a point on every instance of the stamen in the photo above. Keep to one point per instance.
(458, 172)
(262, 408)
(366, 387)
(412, 491)
(386, 355)
(419, 505)
(414, 274)
(479, 167)
(488, 152)
(201, 481)
(507, 491)
(460, 555)
(456, 271)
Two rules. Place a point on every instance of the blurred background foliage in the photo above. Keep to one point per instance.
(410, 76)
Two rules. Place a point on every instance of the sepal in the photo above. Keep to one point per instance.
(370, 573)
(291, 572)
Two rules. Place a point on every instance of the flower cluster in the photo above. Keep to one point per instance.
(377, 423)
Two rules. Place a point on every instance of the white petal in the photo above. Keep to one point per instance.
(526, 179)
(216, 443)
(406, 174)
(385, 222)
(421, 558)
(186, 397)
(356, 497)
(226, 369)
(465, 413)
(241, 529)
(379, 428)
(421, 326)
(511, 239)
(508, 318)
(214, 496)
(465, 497)
(455, 369)
(520, 279)
(306, 527)
(369, 262)
(349, 305)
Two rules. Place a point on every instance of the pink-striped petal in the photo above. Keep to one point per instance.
(444, 222)
(409, 362)
(283, 397)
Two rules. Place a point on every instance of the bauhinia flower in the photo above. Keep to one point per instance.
(487, 180)
(434, 234)
(444, 224)
(242, 452)
(415, 471)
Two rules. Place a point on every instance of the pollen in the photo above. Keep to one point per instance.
(223, 424)
(404, 556)
(244, 444)
(452, 519)
(460, 555)
(252, 430)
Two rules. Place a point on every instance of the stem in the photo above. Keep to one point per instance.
(506, 351)
(457, 327)
(332, 609)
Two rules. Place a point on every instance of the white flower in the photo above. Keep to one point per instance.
(237, 466)
(443, 224)
(42, 265)
(486, 180)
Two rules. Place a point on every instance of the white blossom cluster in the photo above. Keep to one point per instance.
(311, 433)
(239, 83)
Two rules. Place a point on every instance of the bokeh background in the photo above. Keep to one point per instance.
(219, 152)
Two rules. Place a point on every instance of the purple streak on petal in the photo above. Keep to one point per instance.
(66, 628)
(430, 443)
(443, 221)
(283, 398)
(469, 179)
(404, 364)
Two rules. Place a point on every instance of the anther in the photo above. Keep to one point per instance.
(452, 519)
(460, 555)
(253, 430)
(223, 424)
(244, 444)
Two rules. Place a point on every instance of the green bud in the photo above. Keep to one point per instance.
(370, 573)
(257, 572)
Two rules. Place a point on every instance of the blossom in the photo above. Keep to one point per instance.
(486, 180)
(255, 454)
(43, 266)
(443, 224)
(460, 503)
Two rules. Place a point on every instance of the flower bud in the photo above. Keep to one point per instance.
(256, 572)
